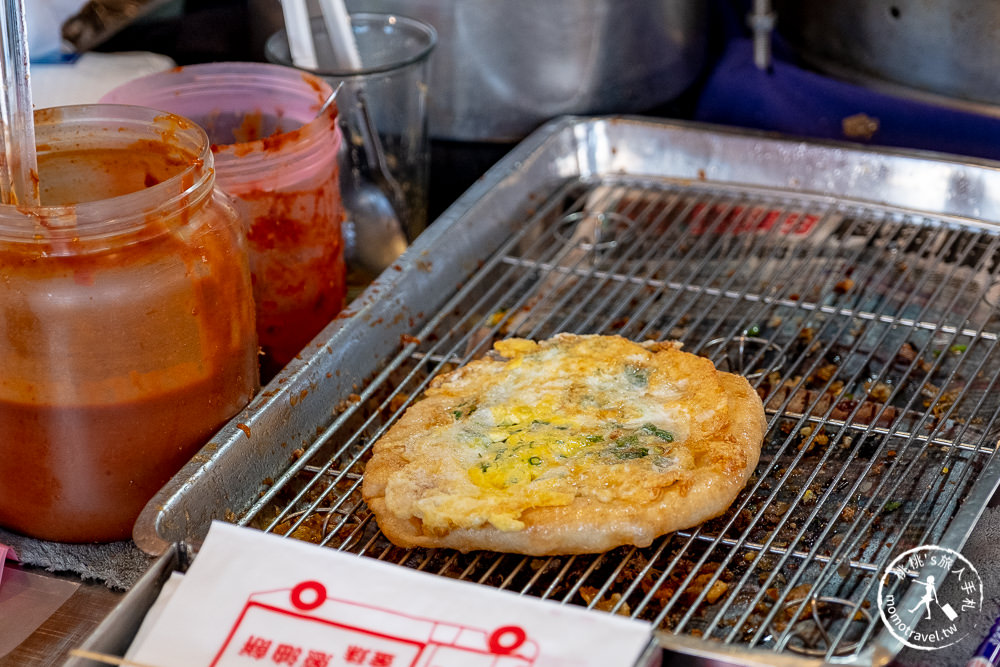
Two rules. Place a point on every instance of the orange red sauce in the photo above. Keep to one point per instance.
(120, 355)
(294, 234)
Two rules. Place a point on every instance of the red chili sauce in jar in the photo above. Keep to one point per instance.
(292, 205)
(276, 156)
(126, 321)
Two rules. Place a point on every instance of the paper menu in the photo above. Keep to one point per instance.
(251, 598)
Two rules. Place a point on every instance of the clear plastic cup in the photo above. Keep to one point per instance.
(127, 331)
(278, 160)
(395, 51)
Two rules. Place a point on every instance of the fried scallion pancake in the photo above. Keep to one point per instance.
(575, 444)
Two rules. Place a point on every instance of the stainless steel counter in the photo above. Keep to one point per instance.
(65, 629)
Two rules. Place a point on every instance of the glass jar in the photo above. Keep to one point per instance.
(276, 156)
(398, 91)
(126, 320)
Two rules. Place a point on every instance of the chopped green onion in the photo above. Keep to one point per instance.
(892, 506)
(458, 413)
(637, 376)
(958, 349)
(629, 440)
(636, 453)
(535, 461)
(753, 330)
(653, 429)
(595, 438)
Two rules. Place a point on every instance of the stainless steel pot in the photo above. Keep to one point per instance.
(944, 47)
(502, 67)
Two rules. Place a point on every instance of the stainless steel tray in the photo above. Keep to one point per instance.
(856, 288)
(111, 639)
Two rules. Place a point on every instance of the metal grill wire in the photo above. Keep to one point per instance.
(804, 296)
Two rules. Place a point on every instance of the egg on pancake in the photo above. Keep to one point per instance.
(575, 444)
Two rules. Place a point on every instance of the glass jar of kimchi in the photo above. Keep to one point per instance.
(127, 332)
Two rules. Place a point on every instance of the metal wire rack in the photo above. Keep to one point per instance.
(869, 332)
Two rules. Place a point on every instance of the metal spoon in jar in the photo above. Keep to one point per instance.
(373, 198)
(373, 232)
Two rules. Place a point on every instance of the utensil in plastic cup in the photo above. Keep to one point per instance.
(392, 87)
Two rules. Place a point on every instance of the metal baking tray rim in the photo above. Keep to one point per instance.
(112, 638)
